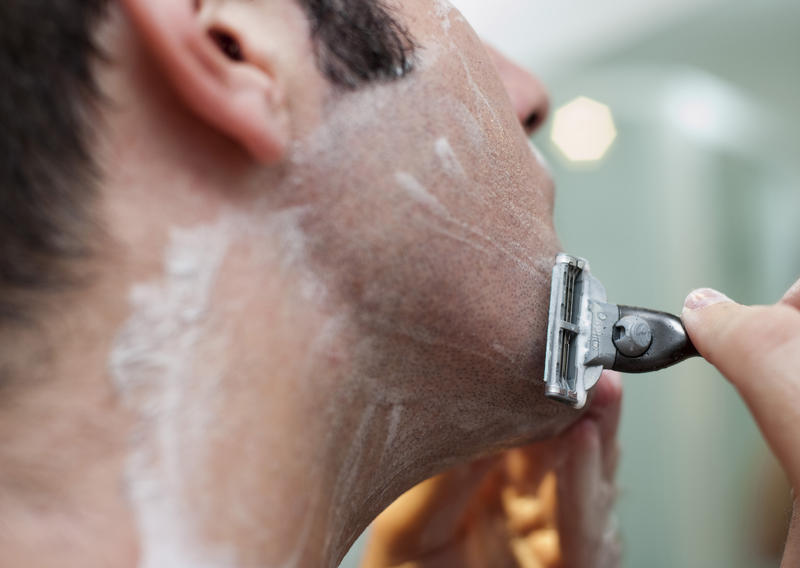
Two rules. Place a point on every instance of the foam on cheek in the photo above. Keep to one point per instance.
(441, 14)
(450, 163)
(420, 194)
(453, 227)
(442, 11)
(443, 8)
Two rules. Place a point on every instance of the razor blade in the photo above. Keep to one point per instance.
(586, 334)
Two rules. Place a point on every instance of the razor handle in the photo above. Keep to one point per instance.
(586, 334)
(649, 340)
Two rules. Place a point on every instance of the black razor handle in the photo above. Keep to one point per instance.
(668, 341)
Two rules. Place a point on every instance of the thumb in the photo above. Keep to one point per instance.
(758, 350)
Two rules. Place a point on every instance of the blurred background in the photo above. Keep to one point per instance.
(675, 145)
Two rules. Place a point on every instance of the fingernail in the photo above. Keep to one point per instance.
(703, 298)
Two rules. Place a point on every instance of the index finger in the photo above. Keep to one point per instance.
(758, 350)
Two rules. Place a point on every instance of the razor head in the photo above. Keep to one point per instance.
(577, 299)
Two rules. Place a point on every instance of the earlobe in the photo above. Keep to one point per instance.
(208, 67)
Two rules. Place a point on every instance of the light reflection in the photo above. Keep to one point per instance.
(584, 130)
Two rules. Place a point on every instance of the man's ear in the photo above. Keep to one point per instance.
(209, 69)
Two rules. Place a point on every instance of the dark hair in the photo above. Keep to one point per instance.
(46, 172)
(358, 41)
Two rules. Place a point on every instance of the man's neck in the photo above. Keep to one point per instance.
(87, 477)
(64, 436)
(197, 459)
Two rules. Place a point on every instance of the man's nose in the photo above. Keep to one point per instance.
(528, 95)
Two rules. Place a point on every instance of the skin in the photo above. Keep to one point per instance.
(367, 307)
(757, 348)
(545, 505)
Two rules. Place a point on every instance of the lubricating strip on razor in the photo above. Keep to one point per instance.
(586, 334)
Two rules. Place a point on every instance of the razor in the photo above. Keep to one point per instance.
(586, 334)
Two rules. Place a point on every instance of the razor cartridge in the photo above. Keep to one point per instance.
(586, 334)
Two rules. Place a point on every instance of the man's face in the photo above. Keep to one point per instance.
(428, 225)
(369, 306)
(396, 260)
